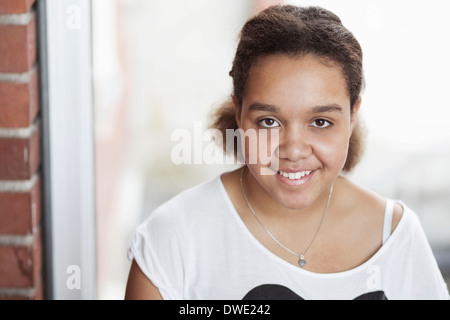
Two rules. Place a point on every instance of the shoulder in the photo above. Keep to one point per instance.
(410, 224)
(176, 223)
(183, 208)
(364, 200)
(399, 210)
(373, 205)
(408, 257)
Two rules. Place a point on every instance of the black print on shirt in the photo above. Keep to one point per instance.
(277, 292)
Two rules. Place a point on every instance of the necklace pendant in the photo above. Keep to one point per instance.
(302, 261)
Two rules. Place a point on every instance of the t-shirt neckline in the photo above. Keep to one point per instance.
(283, 262)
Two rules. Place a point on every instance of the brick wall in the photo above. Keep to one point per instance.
(20, 181)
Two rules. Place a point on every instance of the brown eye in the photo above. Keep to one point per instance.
(268, 123)
(321, 123)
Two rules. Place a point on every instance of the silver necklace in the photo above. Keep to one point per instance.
(301, 256)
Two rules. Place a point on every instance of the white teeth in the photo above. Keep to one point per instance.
(295, 175)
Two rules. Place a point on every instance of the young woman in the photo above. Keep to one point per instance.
(293, 227)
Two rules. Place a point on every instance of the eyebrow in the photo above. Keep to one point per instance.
(262, 107)
(317, 109)
(328, 108)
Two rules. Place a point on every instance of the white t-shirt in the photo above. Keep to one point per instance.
(196, 247)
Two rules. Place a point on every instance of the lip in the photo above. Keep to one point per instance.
(294, 170)
(298, 182)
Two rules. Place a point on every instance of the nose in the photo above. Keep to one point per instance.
(294, 145)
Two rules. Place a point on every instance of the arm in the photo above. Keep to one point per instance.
(139, 287)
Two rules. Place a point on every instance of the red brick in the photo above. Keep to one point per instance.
(20, 262)
(21, 266)
(20, 212)
(17, 47)
(35, 294)
(19, 102)
(19, 158)
(15, 6)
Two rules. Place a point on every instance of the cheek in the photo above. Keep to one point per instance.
(332, 152)
(260, 145)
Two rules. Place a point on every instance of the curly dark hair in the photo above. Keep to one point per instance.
(296, 31)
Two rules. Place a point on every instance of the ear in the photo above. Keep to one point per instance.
(238, 111)
(354, 116)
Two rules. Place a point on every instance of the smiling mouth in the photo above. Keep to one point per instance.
(295, 175)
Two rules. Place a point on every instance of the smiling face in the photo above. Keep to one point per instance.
(305, 99)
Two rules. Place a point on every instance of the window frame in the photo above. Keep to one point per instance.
(68, 149)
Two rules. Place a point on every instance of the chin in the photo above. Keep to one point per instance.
(295, 204)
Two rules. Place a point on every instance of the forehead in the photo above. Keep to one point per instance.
(293, 82)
